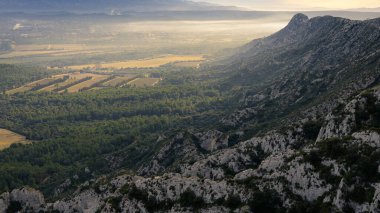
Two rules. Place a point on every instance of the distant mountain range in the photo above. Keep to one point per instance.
(367, 9)
(110, 6)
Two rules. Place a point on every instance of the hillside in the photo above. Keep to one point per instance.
(288, 123)
(310, 65)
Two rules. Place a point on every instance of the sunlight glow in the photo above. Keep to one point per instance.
(298, 4)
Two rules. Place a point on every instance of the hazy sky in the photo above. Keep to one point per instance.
(298, 4)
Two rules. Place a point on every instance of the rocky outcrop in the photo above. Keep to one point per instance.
(24, 200)
(212, 140)
(347, 118)
(182, 148)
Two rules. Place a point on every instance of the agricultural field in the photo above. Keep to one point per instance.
(119, 81)
(73, 77)
(143, 63)
(32, 85)
(7, 138)
(188, 64)
(87, 84)
(144, 82)
(47, 49)
(80, 81)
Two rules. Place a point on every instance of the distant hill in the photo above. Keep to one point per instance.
(377, 9)
(111, 6)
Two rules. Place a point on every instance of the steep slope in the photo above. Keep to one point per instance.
(310, 62)
(317, 79)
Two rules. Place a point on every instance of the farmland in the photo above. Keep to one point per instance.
(32, 85)
(186, 64)
(92, 79)
(7, 138)
(79, 81)
(144, 82)
(73, 77)
(119, 81)
(49, 50)
(143, 63)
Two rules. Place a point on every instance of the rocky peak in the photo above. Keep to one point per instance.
(298, 20)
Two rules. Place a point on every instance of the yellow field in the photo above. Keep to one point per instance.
(72, 78)
(29, 86)
(27, 53)
(94, 80)
(7, 138)
(18, 90)
(144, 63)
(144, 82)
(53, 87)
(50, 50)
(118, 80)
(36, 47)
(71, 84)
(190, 64)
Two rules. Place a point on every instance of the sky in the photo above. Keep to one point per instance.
(268, 5)
(298, 4)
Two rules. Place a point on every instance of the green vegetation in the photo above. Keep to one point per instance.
(369, 116)
(13, 76)
(311, 129)
(77, 131)
(150, 202)
(317, 206)
(14, 206)
(190, 199)
(266, 201)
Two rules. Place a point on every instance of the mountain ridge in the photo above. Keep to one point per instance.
(110, 6)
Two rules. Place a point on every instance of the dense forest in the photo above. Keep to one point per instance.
(16, 75)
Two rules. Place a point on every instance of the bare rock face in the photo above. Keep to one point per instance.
(344, 121)
(237, 117)
(25, 200)
(342, 124)
(86, 202)
(182, 148)
(371, 138)
(4, 202)
(212, 140)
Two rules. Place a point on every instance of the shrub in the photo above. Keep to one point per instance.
(311, 129)
(233, 202)
(14, 206)
(266, 201)
(190, 199)
(361, 194)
